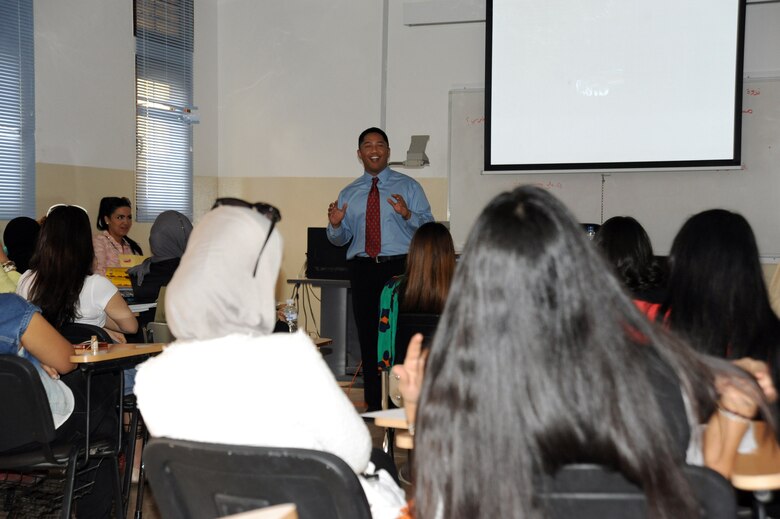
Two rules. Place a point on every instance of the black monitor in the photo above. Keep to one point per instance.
(323, 259)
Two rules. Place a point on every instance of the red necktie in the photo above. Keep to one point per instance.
(373, 229)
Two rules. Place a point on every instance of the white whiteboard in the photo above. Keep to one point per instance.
(661, 201)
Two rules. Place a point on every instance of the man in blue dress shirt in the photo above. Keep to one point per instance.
(402, 208)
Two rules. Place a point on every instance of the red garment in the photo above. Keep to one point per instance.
(649, 309)
(373, 225)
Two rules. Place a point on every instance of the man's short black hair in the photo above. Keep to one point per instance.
(372, 130)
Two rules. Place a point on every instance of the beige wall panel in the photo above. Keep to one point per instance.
(84, 186)
(204, 192)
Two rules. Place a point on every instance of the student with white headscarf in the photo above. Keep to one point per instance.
(220, 381)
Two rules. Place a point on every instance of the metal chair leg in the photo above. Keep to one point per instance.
(132, 434)
(139, 501)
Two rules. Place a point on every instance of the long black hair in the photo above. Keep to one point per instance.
(108, 205)
(541, 359)
(62, 260)
(20, 236)
(717, 297)
(627, 246)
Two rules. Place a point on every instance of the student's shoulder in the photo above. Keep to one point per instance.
(13, 304)
(96, 281)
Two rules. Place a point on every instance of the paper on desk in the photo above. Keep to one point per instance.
(142, 307)
(396, 414)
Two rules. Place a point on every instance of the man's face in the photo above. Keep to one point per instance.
(374, 152)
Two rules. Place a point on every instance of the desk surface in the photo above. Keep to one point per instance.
(395, 418)
(760, 469)
(116, 351)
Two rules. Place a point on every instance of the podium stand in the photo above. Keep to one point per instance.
(336, 322)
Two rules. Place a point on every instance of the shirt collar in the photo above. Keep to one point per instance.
(382, 176)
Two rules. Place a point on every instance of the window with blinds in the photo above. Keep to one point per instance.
(163, 86)
(17, 110)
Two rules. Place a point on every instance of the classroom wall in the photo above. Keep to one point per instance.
(282, 87)
(299, 80)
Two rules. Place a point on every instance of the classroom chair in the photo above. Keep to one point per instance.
(27, 434)
(595, 492)
(193, 480)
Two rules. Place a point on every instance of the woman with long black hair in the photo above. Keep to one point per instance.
(61, 281)
(540, 360)
(717, 298)
(627, 247)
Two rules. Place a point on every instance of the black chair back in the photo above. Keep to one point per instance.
(594, 492)
(193, 480)
(77, 333)
(408, 325)
(24, 410)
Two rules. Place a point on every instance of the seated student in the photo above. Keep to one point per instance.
(9, 276)
(227, 379)
(115, 219)
(60, 280)
(422, 289)
(717, 298)
(541, 360)
(24, 332)
(167, 239)
(20, 236)
(627, 248)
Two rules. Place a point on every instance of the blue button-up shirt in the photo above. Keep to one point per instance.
(396, 232)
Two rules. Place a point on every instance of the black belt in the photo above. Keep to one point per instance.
(379, 259)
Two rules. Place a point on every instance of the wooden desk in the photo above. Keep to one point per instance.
(117, 351)
(404, 440)
(758, 470)
(113, 359)
(394, 418)
(322, 341)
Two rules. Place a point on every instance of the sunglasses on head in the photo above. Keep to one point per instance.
(55, 206)
(267, 210)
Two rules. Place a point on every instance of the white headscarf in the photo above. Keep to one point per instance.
(213, 293)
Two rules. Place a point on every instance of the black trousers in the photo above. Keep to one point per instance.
(367, 279)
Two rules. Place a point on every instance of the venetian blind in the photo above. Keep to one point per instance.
(17, 110)
(164, 47)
